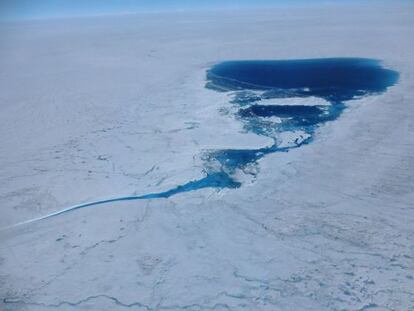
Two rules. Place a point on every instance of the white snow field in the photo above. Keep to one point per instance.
(103, 107)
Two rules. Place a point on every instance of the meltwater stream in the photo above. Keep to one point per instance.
(252, 86)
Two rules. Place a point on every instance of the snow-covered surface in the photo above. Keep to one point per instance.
(96, 108)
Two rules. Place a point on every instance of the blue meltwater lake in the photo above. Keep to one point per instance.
(253, 86)
(264, 93)
(330, 78)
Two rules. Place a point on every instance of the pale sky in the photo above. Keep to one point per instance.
(23, 9)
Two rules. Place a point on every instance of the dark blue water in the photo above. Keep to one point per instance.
(298, 111)
(292, 117)
(336, 80)
(330, 78)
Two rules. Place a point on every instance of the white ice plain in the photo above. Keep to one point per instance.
(94, 108)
